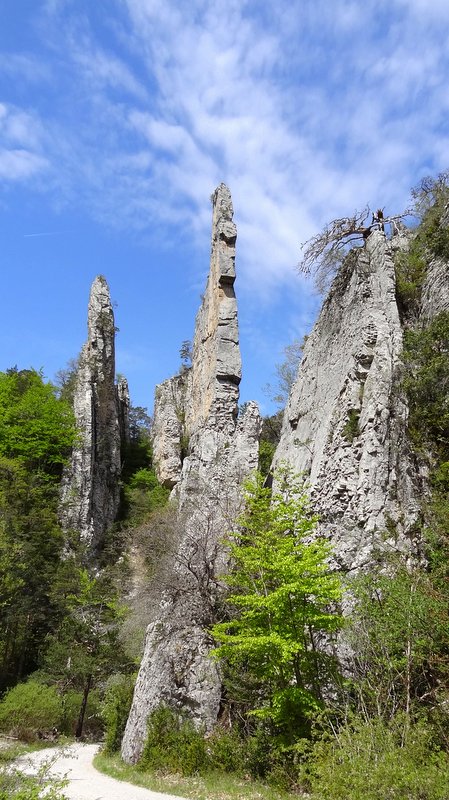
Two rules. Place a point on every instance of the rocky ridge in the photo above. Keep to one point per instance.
(203, 450)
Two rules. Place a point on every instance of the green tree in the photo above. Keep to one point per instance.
(85, 649)
(399, 636)
(36, 432)
(30, 549)
(280, 598)
(35, 425)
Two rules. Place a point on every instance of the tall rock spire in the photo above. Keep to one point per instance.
(208, 392)
(216, 362)
(345, 423)
(204, 450)
(90, 493)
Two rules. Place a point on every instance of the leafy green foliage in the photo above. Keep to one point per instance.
(115, 709)
(35, 426)
(36, 432)
(430, 240)
(369, 759)
(173, 745)
(399, 639)
(351, 427)
(30, 709)
(266, 455)
(143, 495)
(30, 548)
(16, 785)
(280, 592)
(426, 382)
(85, 648)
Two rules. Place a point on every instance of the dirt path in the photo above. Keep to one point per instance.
(85, 782)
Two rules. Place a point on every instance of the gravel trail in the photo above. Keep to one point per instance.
(85, 782)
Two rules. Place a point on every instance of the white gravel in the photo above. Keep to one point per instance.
(85, 782)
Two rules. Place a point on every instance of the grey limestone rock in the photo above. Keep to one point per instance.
(90, 486)
(220, 450)
(123, 406)
(344, 426)
(168, 430)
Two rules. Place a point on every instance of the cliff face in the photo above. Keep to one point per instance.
(345, 423)
(204, 452)
(90, 489)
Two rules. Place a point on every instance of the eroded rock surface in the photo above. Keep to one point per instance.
(169, 428)
(345, 423)
(204, 450)
(90, 488)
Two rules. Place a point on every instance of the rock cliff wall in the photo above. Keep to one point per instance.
(90, 487)
(345, 423)
(204, 451)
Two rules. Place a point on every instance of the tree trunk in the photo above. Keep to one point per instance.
(80, 723)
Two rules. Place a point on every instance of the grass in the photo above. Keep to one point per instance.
(213, 786)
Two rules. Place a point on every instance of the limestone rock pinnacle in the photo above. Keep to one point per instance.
(90, 487)
(344, 426)
(207, 393)
(204, 450)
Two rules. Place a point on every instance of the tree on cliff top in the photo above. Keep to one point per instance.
(324, 252)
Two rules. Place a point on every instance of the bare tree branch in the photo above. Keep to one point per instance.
(324, 252)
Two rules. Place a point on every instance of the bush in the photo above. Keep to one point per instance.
(93, 720)
(374, 760)
(30, 710)
(115, 709)
(143, 494)
(173, 745)
(15, 785)
(226, 751)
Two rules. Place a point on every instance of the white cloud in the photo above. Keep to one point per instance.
(20, 144)
(307, 110)
(20, 164)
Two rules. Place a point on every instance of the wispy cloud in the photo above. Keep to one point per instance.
(307, 109)
(20, 145)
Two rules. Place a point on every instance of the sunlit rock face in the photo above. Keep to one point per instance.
(123, 407)
(90, 491)
(345, 423)
(202, 449)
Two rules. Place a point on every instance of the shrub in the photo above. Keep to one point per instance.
(351, 427)
(226, 751)
(173, 745)
(143, 494)
(30, 709)
(372, 760)
(93, 720)
(115, 709)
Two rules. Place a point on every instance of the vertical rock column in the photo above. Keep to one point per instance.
(90, 493)
(345, 423)
(204, 451)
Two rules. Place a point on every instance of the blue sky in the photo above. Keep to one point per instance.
(119, 117)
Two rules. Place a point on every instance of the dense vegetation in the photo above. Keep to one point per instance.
(61, 623)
